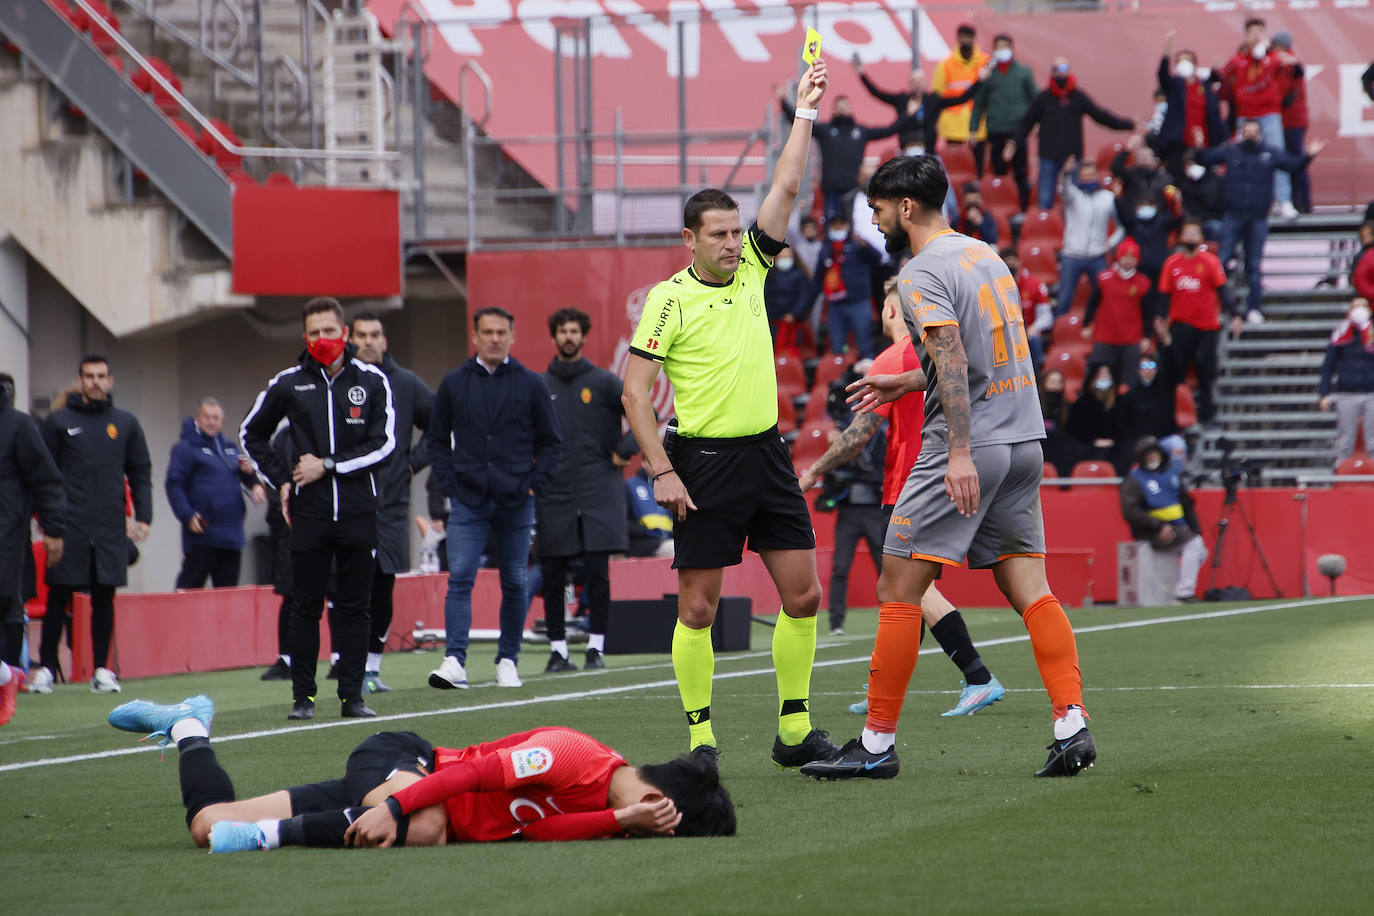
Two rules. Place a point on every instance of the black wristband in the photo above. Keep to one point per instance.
(394, 807)
(664, 474)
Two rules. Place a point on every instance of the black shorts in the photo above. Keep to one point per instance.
(742, 488)
(372, 763)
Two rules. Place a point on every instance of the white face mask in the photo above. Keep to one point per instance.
(1360, 315)
(1151, 464)
(1195, 171)
(1002, 55)
(1102, 384)
(1145, 212)
(1186, 69)
(784, 263)
(838, 235)
(1260, 50)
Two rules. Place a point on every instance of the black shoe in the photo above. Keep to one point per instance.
(855, 762)
(355, 708)
(594, 659)
(557, 663)
(280, 671)
(707, 753)
(302, 710)
(815, 746)
(333, 674)
(1069, 756)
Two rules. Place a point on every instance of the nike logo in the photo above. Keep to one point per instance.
(1065, 746)
(873, 763)
(73, 430)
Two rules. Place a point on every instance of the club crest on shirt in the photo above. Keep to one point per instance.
(755, 305)
(356, 395)
(531, 761)
(586, 395)
(112, 431)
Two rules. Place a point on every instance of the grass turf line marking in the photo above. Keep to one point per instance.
(650, 685)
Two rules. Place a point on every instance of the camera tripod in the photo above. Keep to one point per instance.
(1231, 506)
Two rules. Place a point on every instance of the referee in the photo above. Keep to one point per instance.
(343, 424)
(723, 470)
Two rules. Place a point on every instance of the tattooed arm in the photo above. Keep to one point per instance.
(843, 450)
(946, 349)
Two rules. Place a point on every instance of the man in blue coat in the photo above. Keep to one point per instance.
(206, 477)
(492, 442)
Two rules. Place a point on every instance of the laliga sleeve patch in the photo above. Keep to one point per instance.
(531, 761)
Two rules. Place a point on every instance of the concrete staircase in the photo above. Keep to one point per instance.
(1267, 385)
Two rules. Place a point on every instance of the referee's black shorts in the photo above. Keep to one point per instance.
(743, 488)
(372, 763)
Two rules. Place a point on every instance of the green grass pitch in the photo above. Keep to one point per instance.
(1235, 772)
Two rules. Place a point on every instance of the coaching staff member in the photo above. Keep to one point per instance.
(413, 402)
(96, 446)
(343, 425)
(724, 472)
(581, 510)
(492, 443)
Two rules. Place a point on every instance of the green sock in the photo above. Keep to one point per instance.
(794, 651)
(694, 664)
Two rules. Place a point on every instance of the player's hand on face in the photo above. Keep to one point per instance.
(961, 483)
(649, 818)
(872, 391)
(671, 493)
(376, 828)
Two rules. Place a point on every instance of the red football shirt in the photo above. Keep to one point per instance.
(545, 784)
(1191, 283)
(905, 418)
(1034, 296)
(1118, 321)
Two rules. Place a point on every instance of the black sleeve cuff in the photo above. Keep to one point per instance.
(646, 354)
(767, 246)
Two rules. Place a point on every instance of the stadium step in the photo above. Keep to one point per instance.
(1269, 416)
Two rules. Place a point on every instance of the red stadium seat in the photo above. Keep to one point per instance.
(99, 36)
(280, 178)
(791, 376)
(787, 415)
(812, 441)
(1185, 408)
(1068, 329)
(227, 161)
(1093, 469)
(832, 366)
(1105, 155)
(144, 82)
(958, 159)
(1001, 194)
(1072, 363)
(1355, 464)
(1043, 227)
(1041, 262)
(237, 176)
(1049, 471)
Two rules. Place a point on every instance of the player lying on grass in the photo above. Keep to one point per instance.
(399, 790)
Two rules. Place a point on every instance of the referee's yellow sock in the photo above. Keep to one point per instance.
(694, 664)
(794, 652)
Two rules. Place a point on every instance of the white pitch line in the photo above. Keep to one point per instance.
(650, 685)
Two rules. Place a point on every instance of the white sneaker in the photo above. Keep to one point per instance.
(40, 681)
(1286, 211)
(105, 682)
(449, 675)
(1254, 316)
(506, 674)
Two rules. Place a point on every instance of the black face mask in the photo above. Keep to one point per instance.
(966, 51)
(842, 120)
(1061, 80)
(1190, 246)
(1250, 145)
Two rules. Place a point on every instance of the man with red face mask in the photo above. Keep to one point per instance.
(343, 424)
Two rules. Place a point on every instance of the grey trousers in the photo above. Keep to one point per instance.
(1351, 408)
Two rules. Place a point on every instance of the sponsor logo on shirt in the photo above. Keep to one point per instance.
(73, 430)
(310, 387)
(1187, 283)
(531, 761)
(1004, 386)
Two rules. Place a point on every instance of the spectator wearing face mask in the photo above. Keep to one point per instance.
(1293, 85)
(1096, 422)
(954, 77)
(1115, 319)
(1250, 168)
(845, 280)
(1204, 195)
(1192, 119)
(1362, 265)
(1196, 286)
(918, 111)
(1150, 221)
(1139, 172)
(1089, 210)
(787, 292)
(1148, 406)
(1256, 90)
(1367, 81)
(842, 142)
(1036, 311)
(1058, 113)
(1059, 449)
(1347, 381)
(1004, 96)
(1160, 513)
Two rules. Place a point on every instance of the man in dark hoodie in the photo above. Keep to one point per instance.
(1159, 511)
(96, 446)
(206, 477)
(580, 512)
(842, 142)
(492, 443)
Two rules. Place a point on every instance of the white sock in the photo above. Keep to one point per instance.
(596, 641)
(286, 659)
(4, 674)
(878, 742)
(560, 646)
(189, 727)
(374, 662)
(333, 658)
(1069, 725)
(271, 830)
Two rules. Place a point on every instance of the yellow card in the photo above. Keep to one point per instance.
(812, 51)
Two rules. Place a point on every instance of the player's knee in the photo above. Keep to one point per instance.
(696, 611)
(806, 602)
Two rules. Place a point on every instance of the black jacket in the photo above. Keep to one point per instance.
(414, 404)
(1137, 182)
(587, 486)
(1061, 123)
(350, 418)
(1204, 198)
(918, 126)
(1175, 116)
(842, 143)
(493, 436)
(1250, 173)
(29, 481)
(96, 446)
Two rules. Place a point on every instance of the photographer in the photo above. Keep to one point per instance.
(1159, 511)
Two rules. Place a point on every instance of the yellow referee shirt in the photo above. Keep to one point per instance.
(715, 346)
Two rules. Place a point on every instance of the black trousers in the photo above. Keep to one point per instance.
(316, 543)
(556, 571)
(1199, 349)
(851, 524)
(218, 564)
(58, 617)
(380, 610)
(11, 631)
(996, 143)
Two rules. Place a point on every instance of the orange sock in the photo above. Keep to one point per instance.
(1056, 653)
(893, 663)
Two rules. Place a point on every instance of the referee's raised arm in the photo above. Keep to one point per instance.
(791, 167)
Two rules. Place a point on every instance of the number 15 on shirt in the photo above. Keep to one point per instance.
(1003, 313)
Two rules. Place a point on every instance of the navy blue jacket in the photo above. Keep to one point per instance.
(203, 477)
(1175, 88)
(1352, 367)
(492, 436)
(1250, 173)
(788, 292)
(857, 258)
